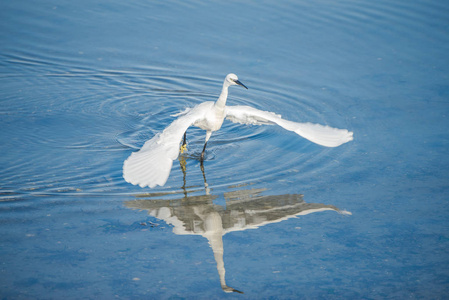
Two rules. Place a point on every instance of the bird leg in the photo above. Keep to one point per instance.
(208, 134)
(184, 143)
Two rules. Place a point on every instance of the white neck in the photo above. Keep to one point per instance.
(221, 102)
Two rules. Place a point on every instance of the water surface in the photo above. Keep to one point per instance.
(85, 84)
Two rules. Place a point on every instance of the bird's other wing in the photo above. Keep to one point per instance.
(319, 134)
(151, 165)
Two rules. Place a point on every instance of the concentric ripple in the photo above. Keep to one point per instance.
(239, 154)
(78, 134)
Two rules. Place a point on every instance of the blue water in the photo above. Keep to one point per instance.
(86, 83)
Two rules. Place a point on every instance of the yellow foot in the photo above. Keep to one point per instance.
(183, 148)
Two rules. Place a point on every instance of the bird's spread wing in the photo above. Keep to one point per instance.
(319, 134)
(151, 165)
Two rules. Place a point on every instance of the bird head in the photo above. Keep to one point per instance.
(232, 79)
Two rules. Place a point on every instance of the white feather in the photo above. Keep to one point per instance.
(319, 134)
(151, 165)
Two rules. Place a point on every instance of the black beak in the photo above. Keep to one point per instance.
(239, 83)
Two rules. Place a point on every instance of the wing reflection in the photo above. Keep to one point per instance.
(245, 209)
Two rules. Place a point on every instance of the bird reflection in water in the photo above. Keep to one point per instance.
(245, 209)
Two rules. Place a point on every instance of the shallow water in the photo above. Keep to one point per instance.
(85, 84)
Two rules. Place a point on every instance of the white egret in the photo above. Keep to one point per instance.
(151, 165)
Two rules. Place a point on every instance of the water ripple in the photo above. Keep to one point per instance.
(80, 141)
